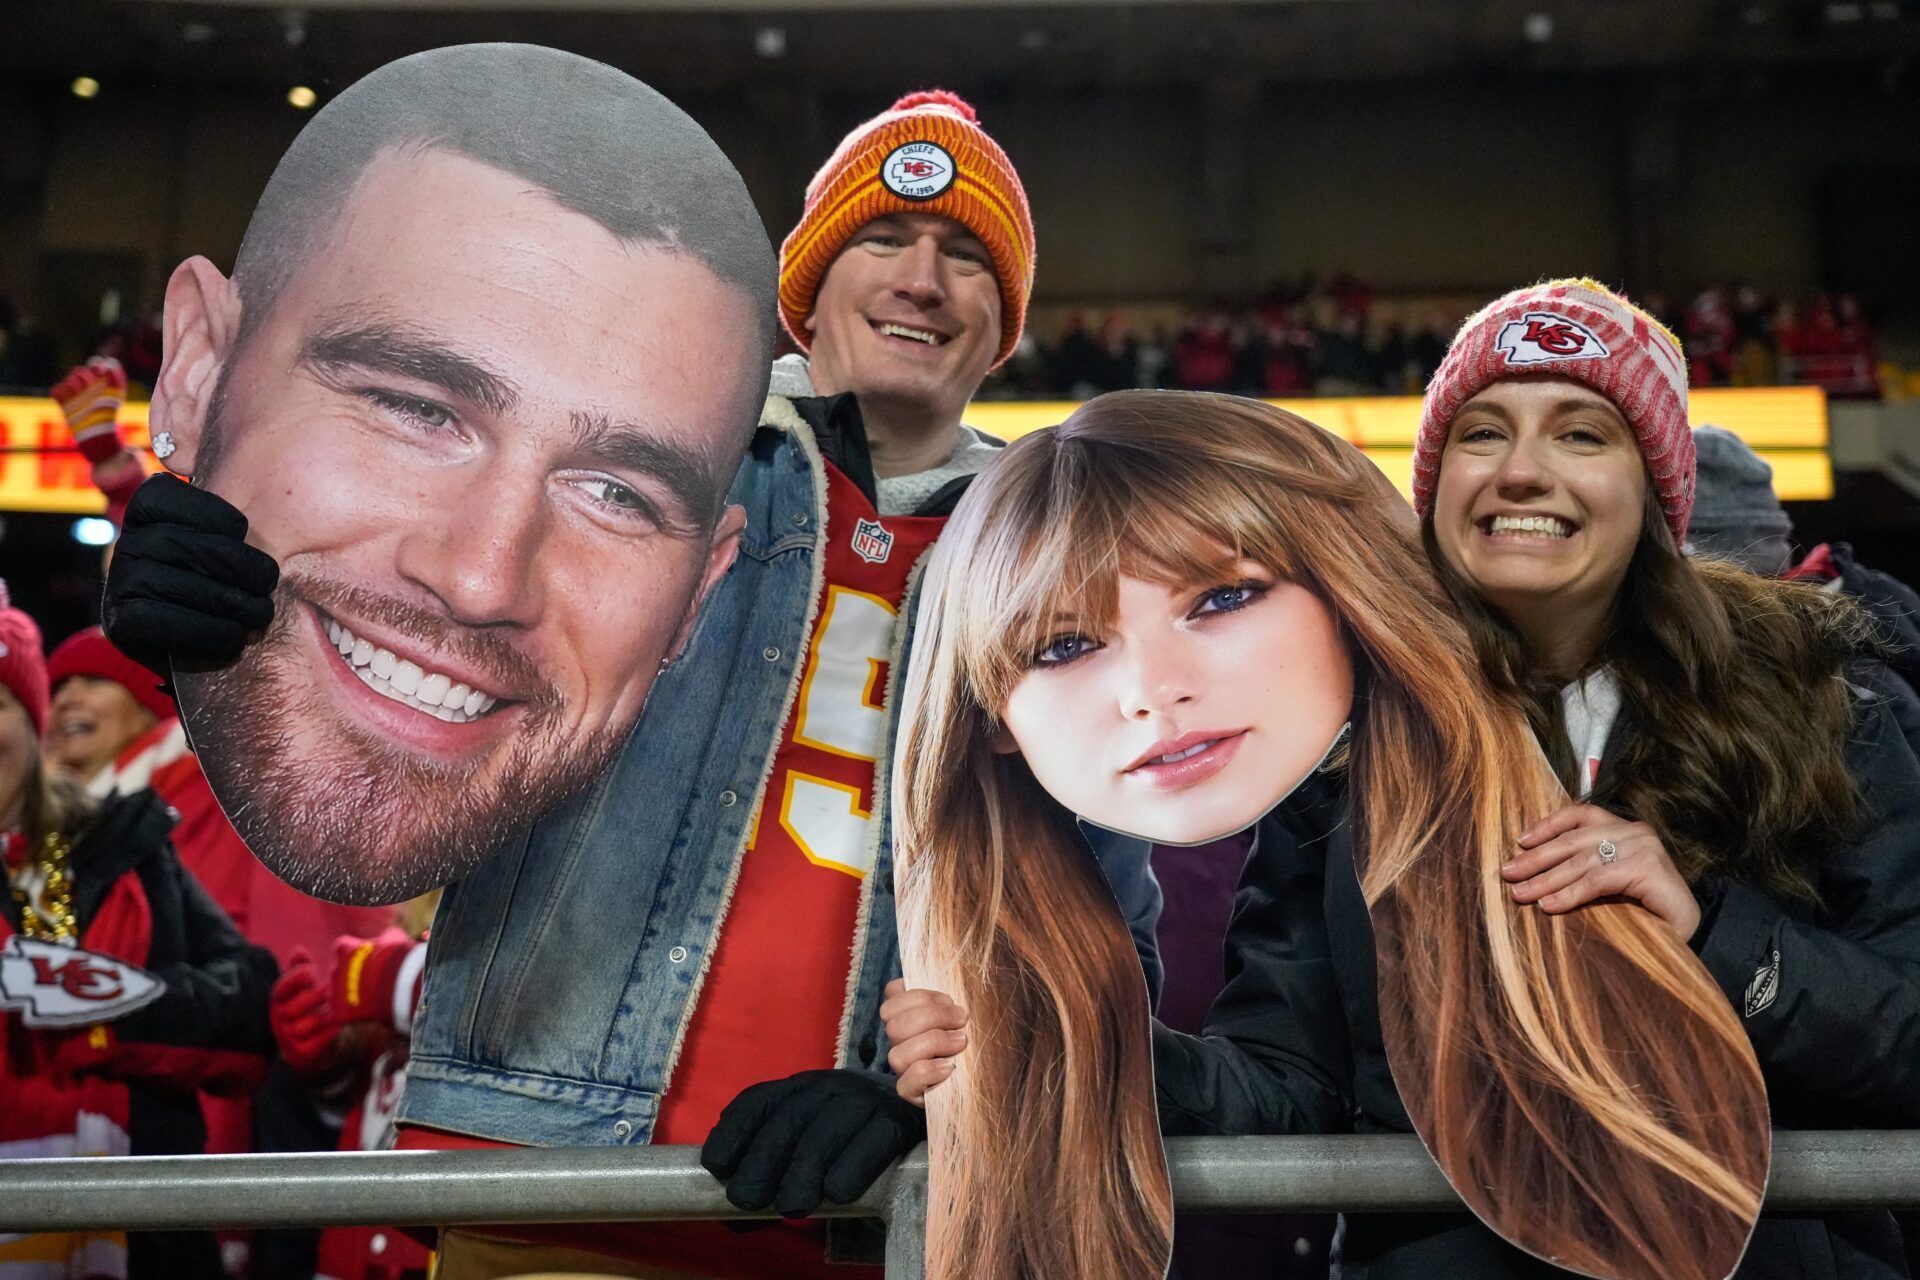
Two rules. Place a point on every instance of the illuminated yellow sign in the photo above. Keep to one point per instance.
(41, 471)
(1786, 425)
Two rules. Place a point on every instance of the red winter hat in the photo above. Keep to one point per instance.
(23, 669)
(90, 653)
(1577, 329)
(925, 154)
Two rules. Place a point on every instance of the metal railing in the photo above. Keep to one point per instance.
(1346, 1173)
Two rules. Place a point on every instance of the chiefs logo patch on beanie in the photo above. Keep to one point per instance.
(1542, 337)
(917, 170)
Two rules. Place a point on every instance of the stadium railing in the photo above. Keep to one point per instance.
(1345, 1173)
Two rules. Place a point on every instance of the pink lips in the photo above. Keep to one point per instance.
(1195, 768)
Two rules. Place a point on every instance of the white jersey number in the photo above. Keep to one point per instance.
(841, 711)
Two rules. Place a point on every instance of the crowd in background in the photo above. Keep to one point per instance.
(1331, 337)
(1338, 337)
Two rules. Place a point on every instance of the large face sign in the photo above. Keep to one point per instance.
(487, 364)
(1199, 707)
(1163, 617)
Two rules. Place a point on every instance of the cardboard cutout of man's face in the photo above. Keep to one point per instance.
(486, 437)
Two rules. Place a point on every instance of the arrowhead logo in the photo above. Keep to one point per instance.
(918, 170)
(55, 986)
(1542, 337)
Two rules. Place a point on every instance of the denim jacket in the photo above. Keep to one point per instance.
(563, 972)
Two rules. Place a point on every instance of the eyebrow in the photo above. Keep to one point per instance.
(1571, 404)
(1585, 404)
(689, 474)
(405, 351)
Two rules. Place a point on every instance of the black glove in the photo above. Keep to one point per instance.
(819, 1134)
(183, 583)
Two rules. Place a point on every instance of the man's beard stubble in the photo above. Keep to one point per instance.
(357, 819)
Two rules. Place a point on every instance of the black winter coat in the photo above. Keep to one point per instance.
(1293, 1044)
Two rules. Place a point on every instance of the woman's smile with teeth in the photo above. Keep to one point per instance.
(394, 677)
(926, 336)
(1538, 526)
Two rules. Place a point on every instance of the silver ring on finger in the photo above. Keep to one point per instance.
(1608, 851)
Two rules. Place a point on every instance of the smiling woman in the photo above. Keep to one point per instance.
(1158, 616)
(1734, 739)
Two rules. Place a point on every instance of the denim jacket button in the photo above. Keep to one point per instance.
(800, 519)
(727, 797)
(677, 955)
(622, 1128)
(770, 653)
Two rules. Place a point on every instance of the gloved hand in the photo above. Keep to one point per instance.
(365, 973)
(91, 397)
(183, 583)
(302, 1019)
(816, 1135)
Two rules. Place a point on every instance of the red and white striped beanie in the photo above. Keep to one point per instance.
(1577, 329)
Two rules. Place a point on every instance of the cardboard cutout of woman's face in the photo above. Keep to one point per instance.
(1202, 709)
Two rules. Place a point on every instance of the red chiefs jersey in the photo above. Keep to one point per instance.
(776, 989)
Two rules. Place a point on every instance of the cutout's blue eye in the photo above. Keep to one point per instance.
(1227, 599)
(1063, 649)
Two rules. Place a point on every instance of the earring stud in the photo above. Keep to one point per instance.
(163, 445)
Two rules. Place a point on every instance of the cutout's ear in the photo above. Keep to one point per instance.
(1001, 742)
(720, 553)
(198, 329)
(808, 323)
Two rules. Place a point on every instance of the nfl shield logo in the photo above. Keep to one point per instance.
(871, 542)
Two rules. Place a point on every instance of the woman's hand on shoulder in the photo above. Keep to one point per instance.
(926, 1029)
(1561, 867)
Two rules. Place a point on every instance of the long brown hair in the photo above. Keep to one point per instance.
(1579, 1078)
(1740, 717)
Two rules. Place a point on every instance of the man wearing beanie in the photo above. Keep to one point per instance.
(694, 950)
(906, 280)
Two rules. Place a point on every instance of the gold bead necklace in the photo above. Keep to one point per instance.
(53, 921)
